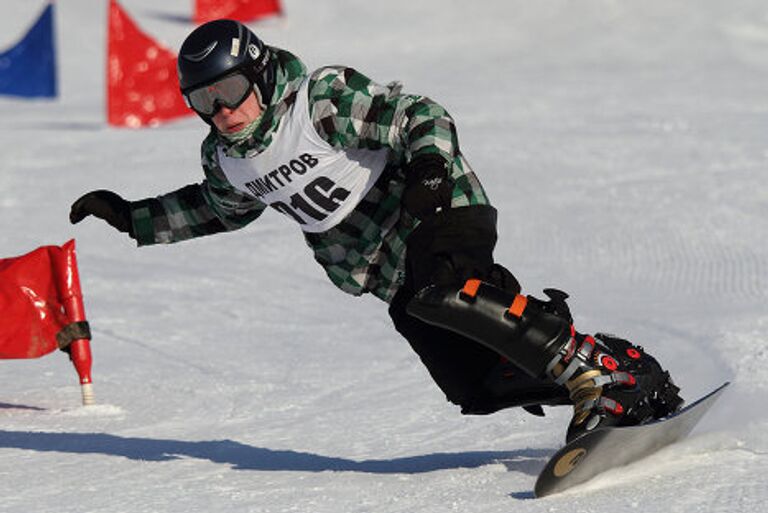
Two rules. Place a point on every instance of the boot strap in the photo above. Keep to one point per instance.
(605, 404)
(574, 358)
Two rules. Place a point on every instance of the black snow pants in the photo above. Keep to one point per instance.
(448, 249)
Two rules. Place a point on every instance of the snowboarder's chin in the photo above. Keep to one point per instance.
(232, 129)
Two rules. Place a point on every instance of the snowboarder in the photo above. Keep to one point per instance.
(389, 206)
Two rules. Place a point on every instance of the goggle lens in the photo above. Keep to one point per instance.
(230, 92)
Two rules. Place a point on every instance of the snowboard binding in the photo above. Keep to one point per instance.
(610, 381)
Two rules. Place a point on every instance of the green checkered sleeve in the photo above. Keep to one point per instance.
(196, 210)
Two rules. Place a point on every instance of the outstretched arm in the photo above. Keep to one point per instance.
(195, 210)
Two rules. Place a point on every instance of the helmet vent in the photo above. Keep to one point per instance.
(197, 57)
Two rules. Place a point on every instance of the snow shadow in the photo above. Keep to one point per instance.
(245, 457)
(8, 406)
(171, 17)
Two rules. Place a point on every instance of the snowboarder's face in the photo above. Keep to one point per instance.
(230, 121)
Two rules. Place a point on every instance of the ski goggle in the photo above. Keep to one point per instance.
(230, 92)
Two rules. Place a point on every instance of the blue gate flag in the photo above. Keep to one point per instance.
(28, 69)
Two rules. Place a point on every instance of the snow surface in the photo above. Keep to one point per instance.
(625, 146)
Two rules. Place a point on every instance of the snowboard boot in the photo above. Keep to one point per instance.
(610, 381)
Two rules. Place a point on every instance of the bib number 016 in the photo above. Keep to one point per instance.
(318, 199)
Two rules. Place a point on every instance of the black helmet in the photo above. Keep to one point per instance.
(223, 47)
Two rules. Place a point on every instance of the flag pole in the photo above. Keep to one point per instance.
(80, 348)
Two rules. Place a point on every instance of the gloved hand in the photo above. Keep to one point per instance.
(428, 188)
(105, 205)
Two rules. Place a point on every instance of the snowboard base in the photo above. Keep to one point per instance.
(606, 448)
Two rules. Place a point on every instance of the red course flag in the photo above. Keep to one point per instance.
(142, 86)
(241, 10)
(41, 309)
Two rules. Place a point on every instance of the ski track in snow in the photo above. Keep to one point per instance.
(625, 149)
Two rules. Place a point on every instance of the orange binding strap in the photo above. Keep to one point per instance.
(471, 287)
(518, 306)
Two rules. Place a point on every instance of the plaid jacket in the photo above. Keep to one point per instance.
(366, 251)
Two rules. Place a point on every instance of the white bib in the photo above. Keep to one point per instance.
(304, 177)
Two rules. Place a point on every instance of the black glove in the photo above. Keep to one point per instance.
(428, 188)
(105, 205)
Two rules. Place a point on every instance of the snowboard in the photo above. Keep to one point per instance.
(605, 448)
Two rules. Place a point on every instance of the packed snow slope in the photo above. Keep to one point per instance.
(625, 145)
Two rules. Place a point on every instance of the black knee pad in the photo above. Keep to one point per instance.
(517, 329)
